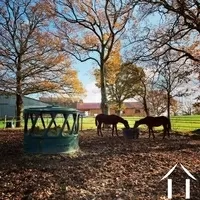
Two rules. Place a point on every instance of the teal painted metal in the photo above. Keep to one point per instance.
(44, 134)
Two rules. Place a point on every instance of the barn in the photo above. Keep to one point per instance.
(8, 105)
(131, 109)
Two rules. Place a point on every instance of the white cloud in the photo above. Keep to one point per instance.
(93, 93)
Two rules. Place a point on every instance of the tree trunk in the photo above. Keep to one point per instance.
(19, 104)
(118, 112)
(146, 109)
(168, 104)
(104, 101)
(19, 101)
(119, 108)
(144, 98)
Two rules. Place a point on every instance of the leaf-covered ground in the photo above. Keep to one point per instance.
(108, 168)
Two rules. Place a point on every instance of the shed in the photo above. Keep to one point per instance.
(8, 104)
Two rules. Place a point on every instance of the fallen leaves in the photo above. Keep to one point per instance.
(104, 168)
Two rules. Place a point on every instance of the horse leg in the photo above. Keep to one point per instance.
(152, 133)
(168, 133)
(116, 130)
(113, 126)
(149, 132)
(164, 131)
(100, 131)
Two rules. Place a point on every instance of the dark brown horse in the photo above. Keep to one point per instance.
(109, 119)
(155, 121)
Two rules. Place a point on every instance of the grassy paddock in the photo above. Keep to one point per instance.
(179, 123)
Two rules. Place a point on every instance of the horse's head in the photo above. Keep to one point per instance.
(136, 124)
(126, 124)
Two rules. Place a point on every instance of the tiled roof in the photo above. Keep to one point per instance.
(90, 106)
(136, 105)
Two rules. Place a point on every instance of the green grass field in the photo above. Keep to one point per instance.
(179, 123)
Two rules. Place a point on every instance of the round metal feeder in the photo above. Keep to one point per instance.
(131, 133)
(51, 130)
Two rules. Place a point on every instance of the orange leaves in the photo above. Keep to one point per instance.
(194, 49)
(70, 79)
(66, 84)
(112, 66)
(55, 60)
(45, 39)
(48, 85)
(90, 40)
(43, 8)
(48, 46)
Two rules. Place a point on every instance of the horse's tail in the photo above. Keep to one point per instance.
(96, 121)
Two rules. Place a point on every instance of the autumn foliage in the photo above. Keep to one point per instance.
(29, 59)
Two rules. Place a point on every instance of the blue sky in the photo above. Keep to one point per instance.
(84, 70)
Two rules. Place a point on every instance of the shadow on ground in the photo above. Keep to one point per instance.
(104, 168)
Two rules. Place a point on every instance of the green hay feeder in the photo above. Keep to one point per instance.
(51, 130)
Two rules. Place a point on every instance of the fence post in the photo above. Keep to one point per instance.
(81, 122)
(5, 121)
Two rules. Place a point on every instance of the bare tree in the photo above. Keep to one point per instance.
(29, 62)
(187, 107)
(157, 101)
(196, 107)
(176, 31)
(173, 78)
(146, 87)
(90, 29)
(172, 27)
(142, 94)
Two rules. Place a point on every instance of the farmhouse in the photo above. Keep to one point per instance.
(130, 109)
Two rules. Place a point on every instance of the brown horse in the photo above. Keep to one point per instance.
(109, 119)
(155, 121)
